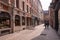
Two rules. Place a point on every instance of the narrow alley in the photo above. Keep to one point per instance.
(38, 33)
(29, 19)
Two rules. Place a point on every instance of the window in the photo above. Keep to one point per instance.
(4, 20)
(27, 21)
(23, 5)
(27, 8)
(5, 7)
(17, 20)
(30, 10)
(23, 20)
(17, 3)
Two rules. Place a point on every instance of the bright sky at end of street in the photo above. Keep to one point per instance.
(45, 4)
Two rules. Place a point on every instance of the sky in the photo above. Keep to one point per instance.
(45, 4)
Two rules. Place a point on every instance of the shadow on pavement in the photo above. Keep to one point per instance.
(47, 34)
(42, 36)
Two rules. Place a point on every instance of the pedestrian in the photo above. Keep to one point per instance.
(46, 24)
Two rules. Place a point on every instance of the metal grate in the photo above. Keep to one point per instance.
(43, 34)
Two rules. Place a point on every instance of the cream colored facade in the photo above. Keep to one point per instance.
(40, 10)
(19, 15)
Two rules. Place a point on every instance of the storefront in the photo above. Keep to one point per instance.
(17, 20)
(5, 23)
(23, 21)
(17, 23)
(33, 21)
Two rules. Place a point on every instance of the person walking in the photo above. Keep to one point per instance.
(46, 24)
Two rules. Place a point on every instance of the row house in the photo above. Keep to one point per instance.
(17, 15)
(54, 12)
(40, 13)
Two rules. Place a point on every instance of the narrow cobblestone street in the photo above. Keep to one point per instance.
(29, 19)
(38, 33)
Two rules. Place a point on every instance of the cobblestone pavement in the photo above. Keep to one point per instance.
(38, 33)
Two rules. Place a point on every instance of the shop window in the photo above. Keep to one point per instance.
(27, 21)
(23, 20)
(4, 24)
(30, 21)
(17, 20)
(4, 20)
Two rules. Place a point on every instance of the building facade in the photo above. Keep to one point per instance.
(54, 11)
(46, 15)
(16, 15)
(40, 14)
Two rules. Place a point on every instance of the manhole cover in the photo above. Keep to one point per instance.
(43, 34)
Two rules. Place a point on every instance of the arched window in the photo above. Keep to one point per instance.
(4, 20)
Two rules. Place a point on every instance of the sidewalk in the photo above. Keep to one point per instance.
(48, 34)
(39, 33)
